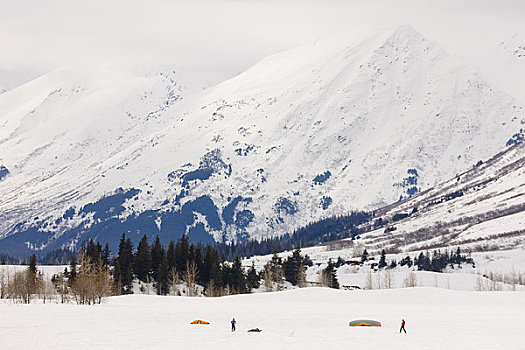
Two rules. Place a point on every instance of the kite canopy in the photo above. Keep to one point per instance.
(200, 322)
(364, 323)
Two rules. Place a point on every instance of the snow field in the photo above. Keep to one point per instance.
(502, 263)
(311, 318)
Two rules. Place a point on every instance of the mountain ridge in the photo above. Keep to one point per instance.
(256, 156)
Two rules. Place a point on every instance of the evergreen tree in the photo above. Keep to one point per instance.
(393, 264)
(156, 257)
(93, 252)
(98, 259)
(142, 260)
(182, 251)
(226, 273)
(163, 276)
(123, 273)
(275, 271)
(106, 254)
(364, 257)
(238, 278)
(211, 268)
(73, 269)
(32, 264)
(419, 261)
(295, 269)
(307, 261)
(170, 254)
(205, 275)
(276, 262)
(252, 278)
(457, 257)
(382, 260)
(330, 275)
(199, 262)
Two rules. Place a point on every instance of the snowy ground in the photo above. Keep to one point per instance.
(312, 318)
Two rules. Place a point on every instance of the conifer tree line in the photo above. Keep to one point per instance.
(93, 274)
(437, 261)
(195, 265)
(180, 263)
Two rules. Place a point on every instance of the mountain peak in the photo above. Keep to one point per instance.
(406, 30)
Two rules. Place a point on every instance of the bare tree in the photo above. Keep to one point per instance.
(301, 278)
(480, 284)
(23, 286)
(410, 280)
(278, 278)
(102, 285)
(358, 251)
(173, 280)
(378, 278)
(324, 279)
(227, 290)
(210, 289)
(190, 277)
(92, 282)
(144, 287)
(47, 290)
(4, 282)
(267, 276)
(388, 279)
(369, 284)
(60, 283)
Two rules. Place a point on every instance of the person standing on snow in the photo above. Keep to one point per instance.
(402, 326)
(233, 324)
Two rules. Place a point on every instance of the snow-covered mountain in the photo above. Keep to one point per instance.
(480, 210)
(311, 132)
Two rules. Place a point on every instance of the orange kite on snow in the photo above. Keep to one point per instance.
(200, 322)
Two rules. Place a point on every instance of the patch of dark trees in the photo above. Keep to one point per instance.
(164, 266)
(189, 263)
(53, 257)
(447, 197)
(437, 261)
(326, 230)
(6, 259)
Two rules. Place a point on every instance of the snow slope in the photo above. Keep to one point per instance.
(311, 318)
(482, 209)
(311, 132)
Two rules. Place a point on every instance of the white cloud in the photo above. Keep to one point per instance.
(216, 35)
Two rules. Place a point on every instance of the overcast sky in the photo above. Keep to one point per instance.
(221, 36)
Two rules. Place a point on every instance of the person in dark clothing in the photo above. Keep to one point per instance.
(233, 324)
(402, 326)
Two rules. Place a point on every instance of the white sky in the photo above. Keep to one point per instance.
(223, 37)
